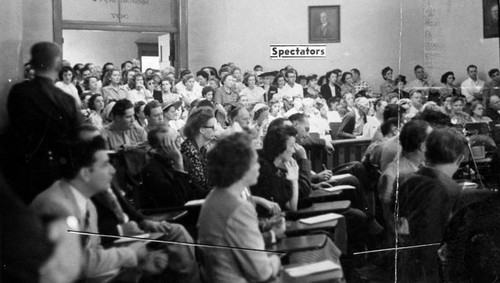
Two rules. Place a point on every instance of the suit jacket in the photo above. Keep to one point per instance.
(163, 186)
(493, 114)
(43, 119)
(427, 200)
(347, 126)
(327, 32)
(230, 220)
(98, 261)
(108, 220)
(157, 96)
(25, 247)
(326, 92)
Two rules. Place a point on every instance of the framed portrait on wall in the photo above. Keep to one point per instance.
(324, 24)
(490, 18)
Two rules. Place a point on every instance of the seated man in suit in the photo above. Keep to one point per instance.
(90, 173)
(118, 217)
(165, 182)
(412, 140)
(427, 199)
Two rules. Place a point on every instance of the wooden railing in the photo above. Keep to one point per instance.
(347, 150)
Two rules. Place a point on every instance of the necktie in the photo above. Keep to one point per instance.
(86, 226)
(114, 205)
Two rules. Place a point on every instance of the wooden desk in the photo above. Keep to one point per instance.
(348, 150)
(319, 208)
(321, 195)
(294, 228)
(299, 244)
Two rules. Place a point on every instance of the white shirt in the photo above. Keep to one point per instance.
(334, 117)
(318, 124)
(71, 90)
(294, 91)
(135, 95)
(81, 202)
(470, 87)
(371, 126)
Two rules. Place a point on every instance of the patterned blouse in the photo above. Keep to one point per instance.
(197, 162)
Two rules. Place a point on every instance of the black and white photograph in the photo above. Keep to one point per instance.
(324, 24)
(286, 141)
(490, 18)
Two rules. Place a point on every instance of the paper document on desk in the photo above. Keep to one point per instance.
(340, 188)
(312, 268)
(469, 185)
(195, 202)
(339, 177)
(321, 218)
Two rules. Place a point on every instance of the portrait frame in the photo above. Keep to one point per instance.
(321, 32)
(490, 27)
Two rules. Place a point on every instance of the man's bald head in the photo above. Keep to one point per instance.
(495, 102)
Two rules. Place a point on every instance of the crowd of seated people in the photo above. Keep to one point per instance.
(185, 126)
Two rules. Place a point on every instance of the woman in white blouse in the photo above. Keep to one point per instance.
(66, 76)
(254, 93)
(138, 91)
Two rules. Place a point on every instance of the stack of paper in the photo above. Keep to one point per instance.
(339, 177)
(312, 268)
(340, 188)
(321, 218)
(195, 202)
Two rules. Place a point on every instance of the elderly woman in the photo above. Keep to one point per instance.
(254, 93)
(457, 115)
(66, 76)
(476, 113)
(138, 91)
(224, 97)
(199, 131)
(260, 122)
(228, 217)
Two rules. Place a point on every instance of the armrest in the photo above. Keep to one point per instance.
(170, 216)
(296, 228)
